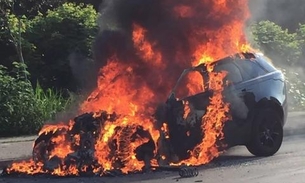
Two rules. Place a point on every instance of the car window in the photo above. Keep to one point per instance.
(264, 62)
(249, 69)
(192, 80)
(233, 73)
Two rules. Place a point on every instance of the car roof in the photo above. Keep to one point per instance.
(258, 58)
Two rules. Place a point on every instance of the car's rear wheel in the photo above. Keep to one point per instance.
(267, 134)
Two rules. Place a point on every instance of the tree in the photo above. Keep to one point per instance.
(95, 3)
(48, 40)
(280, 45)
(30, 7)
(67, 29)
(13, 13)
(12, 27)
(301, 38)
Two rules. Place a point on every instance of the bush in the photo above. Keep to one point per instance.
(48, 40)
(301, 38)
(68, 29)
(278, 44)
(23, 110)
(295, 80)
(287, 51)
(19, 114)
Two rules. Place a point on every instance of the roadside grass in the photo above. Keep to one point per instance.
(23, 108)
(50, 102)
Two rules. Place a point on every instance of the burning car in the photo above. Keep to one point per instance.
(242, 102)
(256, 94)
(141, 48)
(254, 97)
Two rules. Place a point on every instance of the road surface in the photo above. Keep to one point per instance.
(236, 165)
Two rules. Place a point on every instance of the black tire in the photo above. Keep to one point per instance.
(267, 134)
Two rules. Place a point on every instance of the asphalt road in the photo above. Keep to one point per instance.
(236, 165)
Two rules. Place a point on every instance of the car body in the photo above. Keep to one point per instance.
(257, 97)
(256, 94)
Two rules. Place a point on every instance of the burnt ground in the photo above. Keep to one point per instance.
(236, 165)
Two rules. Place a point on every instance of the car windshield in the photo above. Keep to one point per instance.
(195, 80)
(192, 81)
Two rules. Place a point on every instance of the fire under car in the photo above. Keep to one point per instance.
(256, 93)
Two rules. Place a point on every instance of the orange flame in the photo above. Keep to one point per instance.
(145, 48)
(187, 109)
(29, 167)
(164, 129)
(122, 88)
(183, 11)
(212, 124)
(62, 147)
(52, 128)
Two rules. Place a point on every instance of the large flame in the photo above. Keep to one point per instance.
(193, 32)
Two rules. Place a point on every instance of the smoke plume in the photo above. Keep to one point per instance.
(180, 33)
(283, 12)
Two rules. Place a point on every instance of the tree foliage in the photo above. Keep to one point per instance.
(29, 7)
(287, 50)
(301, 39)
(48, 40)
(283, 47)
(23, 109)
(16, 11)
(19, 113)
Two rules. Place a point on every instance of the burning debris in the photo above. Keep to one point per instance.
(70, 150)
(107, 144)
(141, 51)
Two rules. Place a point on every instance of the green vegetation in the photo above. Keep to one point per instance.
(22, 109)
(18, 111)
(43, 43)
(276, 42)
(48, 40)
(287, 51)
(50, 102)
(295, 80)
(63, 31)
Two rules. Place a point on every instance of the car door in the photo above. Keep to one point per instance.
(234, 91)
(253, 75)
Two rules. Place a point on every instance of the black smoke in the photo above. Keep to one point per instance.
(174, 35)
(286, 13)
